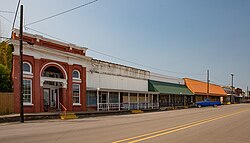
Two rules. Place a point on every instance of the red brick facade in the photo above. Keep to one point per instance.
(38, 65)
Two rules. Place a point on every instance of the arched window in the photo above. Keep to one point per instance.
(27, 68)
(76, 74)
(52, 72)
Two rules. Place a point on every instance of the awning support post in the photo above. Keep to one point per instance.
(97, 98)
(128, 101)
(108, 101)
(138, 101)
(119, 100)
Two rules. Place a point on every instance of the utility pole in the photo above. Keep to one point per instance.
(21, 65)
(208, 83)
(231, 97)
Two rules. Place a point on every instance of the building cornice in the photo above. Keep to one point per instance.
(47, 50)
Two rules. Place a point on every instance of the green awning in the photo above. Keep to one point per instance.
(168, 88)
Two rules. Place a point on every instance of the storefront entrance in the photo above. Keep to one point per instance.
(51, 96)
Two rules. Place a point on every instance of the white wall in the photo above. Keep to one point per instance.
(97, 80)
(101, 74)
(164, 78)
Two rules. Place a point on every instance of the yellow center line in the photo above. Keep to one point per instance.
(159, 131)
(174, 129)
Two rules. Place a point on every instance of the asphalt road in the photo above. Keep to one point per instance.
(225, 124)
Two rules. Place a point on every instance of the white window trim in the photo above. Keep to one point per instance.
(74, 78)
(28, 73)
(29, 103)
(77, 80)
(77, 104)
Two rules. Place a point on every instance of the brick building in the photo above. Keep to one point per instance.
(54, 74)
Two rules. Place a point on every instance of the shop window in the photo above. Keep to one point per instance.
(27, 91)
(113, 97)
(91, 98)
(76, 94)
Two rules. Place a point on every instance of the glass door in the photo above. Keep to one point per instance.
(46, 94)
(53, 97)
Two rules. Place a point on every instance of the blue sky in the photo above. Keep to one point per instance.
(184, 38)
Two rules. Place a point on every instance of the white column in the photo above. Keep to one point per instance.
(145, 105)
(97, 99)
(148, 101)
(58, 104)
(152, 99)
(108, 101)
(128, 101)
(119, 100)
(138, 101)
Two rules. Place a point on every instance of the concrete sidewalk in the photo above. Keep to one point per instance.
(28, 116)
(56, 115)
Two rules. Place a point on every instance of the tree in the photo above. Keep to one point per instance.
(6, 55)
(5, 82)
(5, 66)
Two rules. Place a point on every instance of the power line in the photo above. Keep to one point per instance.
(138, 64)
(14, 21)
(4, 11)
(28, 28)
(9, 20)
(61, 13)
(5, 19)
(213, 82)
(142, 64)
(217, 79)
(92, 49)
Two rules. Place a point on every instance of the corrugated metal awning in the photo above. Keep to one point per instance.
(200, 88)
(168, 88)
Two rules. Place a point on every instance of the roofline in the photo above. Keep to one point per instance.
(17, 31)
(119, 65)
(209, 94)
(167, 82)
(202, 81)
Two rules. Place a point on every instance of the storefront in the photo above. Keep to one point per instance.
(171, 94)
(203, 91)
(54, 75)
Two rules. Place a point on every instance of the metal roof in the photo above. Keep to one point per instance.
(200, 88)
(168, 88)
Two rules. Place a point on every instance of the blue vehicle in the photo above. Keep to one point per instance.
(207, 102)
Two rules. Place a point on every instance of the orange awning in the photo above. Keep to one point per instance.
(200, 88)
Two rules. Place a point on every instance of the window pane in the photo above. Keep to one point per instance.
(27, 91)
(76, 74)
(91, 98)
(113, 97)
(26, 67)
(76, 93)
(76, 100)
